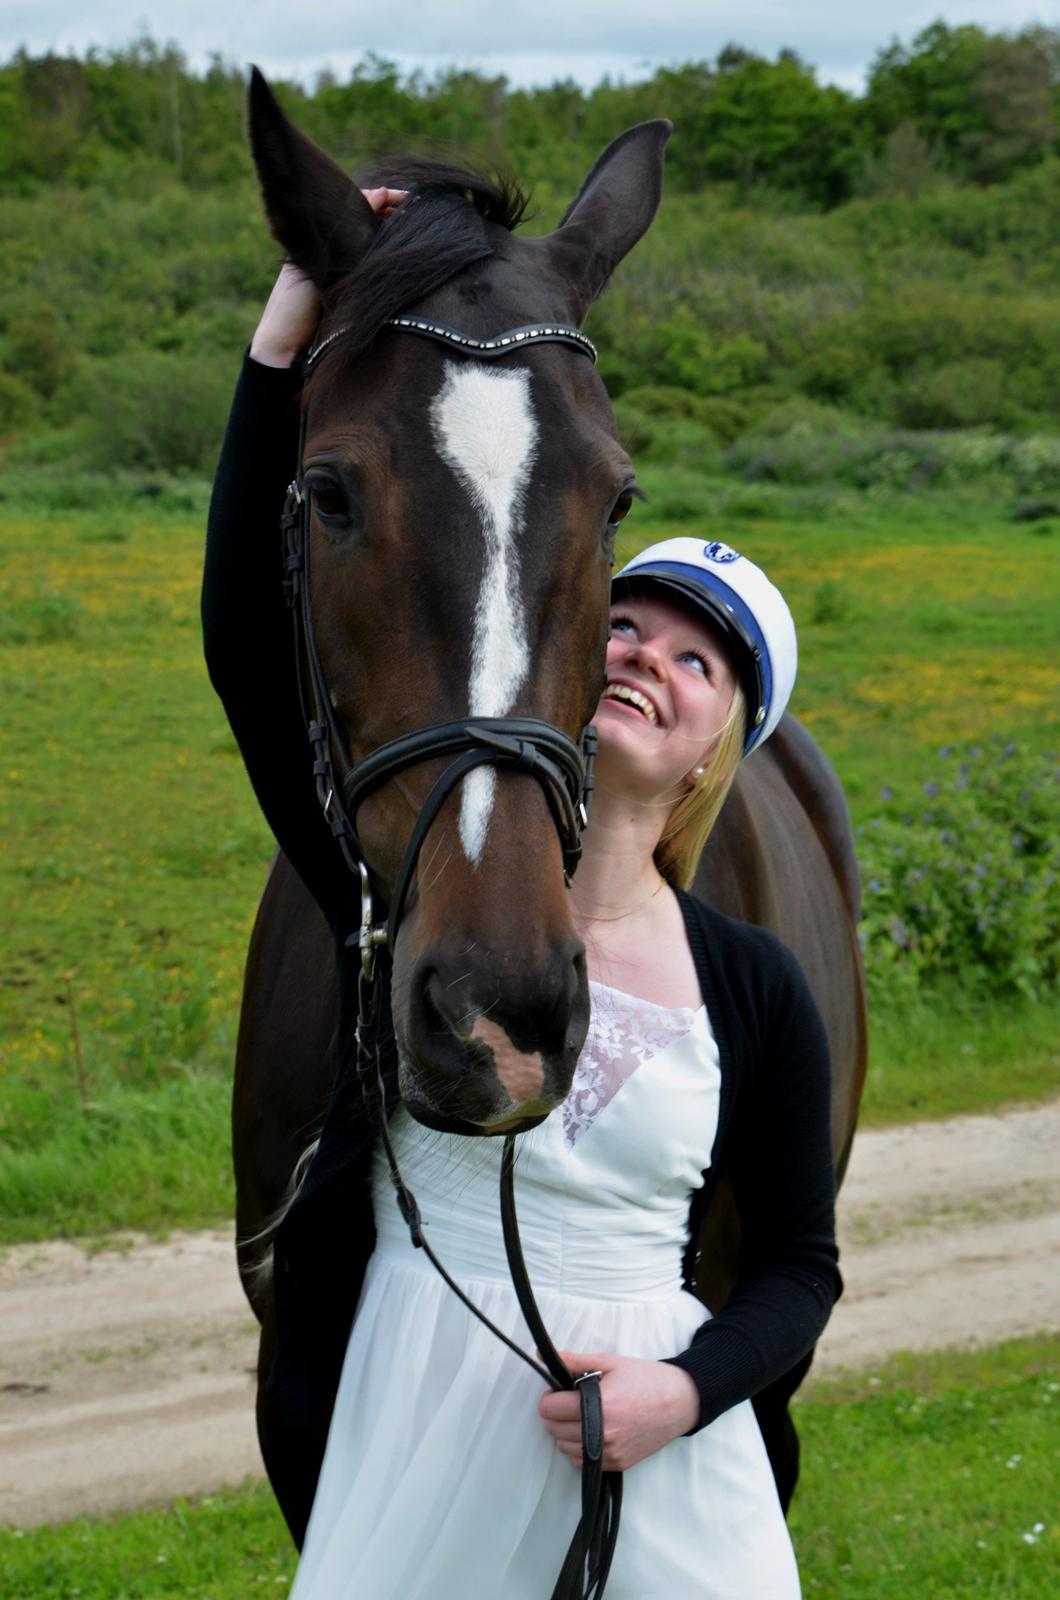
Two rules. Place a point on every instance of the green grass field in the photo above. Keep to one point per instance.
(933, 1476)
(135, 852)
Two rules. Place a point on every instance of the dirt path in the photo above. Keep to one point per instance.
(126, 1376)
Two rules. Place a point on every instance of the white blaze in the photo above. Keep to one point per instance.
(486, 433)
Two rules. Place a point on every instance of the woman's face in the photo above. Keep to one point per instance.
(669, 690)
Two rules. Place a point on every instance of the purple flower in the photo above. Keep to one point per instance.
(931, 789)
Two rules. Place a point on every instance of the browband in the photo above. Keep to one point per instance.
(489, 349)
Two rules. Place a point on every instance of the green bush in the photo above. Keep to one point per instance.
(964, 887)
(19, 404)
(672, 425)
(831, 446)
(834, 370)
(636, 430)
(803, 416)
(38, 348)
(662, 401)
(1036, 464)
(154, 410)
(725, 418)
(803, 455)
(959, 394)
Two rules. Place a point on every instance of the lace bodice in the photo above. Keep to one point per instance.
(624, 1031)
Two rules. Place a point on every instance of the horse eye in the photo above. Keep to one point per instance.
(621, 508)
(330, 504)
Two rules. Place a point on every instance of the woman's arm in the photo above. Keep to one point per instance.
(248, 637)
(784, 1185)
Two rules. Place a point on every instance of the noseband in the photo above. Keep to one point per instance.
(565, 772)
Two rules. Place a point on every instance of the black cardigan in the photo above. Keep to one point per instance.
(773, 1139)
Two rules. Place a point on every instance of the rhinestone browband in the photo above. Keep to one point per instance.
(489, 349)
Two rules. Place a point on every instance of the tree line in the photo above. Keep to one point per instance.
(761, 317)
(957, 101)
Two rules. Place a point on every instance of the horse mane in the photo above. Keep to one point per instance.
(431, 236)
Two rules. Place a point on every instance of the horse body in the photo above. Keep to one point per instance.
(461, 525)
(781, 855)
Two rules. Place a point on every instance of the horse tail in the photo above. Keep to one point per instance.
(257, 1272)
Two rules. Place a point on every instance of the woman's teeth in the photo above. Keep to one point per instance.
(633, 697)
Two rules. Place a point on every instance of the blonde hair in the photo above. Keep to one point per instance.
(693, 816)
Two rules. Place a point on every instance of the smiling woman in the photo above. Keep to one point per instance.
(731, 679)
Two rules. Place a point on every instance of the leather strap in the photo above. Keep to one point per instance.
(588, 1559)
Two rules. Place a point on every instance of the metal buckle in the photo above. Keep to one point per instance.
(370, 937)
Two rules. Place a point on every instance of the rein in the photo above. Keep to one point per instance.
(565, 772)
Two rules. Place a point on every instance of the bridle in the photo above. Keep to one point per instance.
(564, 770)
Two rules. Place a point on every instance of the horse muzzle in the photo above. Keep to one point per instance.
(487, 1054)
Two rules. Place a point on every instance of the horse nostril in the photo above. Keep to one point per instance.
(434, 1021)
(475, 1046)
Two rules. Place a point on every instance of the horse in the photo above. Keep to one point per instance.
(417, 624)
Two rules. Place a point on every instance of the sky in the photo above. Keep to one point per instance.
(530, 43)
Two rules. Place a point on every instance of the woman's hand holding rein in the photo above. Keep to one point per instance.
(646, 1404)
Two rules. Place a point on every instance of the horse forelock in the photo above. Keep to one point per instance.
(442, 228)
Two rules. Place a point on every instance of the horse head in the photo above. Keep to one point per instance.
(461, 520)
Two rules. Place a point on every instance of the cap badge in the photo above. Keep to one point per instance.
(719, 552)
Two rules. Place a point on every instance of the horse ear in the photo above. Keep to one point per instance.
(315, 211)
(612, 210)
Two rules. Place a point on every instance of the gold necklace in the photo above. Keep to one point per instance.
(587, 916)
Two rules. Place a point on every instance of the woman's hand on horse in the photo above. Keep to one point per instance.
(289, 320)
(646, 1404)
(293, 308)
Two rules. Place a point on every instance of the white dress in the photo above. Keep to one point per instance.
(439, 1481)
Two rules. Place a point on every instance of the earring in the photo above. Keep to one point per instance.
(697, 772)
